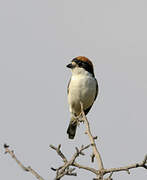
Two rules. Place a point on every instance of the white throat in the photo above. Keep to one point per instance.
(80, 71)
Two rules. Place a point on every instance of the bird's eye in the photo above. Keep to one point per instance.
(80, 63)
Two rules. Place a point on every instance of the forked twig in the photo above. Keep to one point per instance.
(65, 168)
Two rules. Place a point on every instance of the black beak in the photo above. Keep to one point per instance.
(70, 66)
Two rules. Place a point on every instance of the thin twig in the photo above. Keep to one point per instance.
(65, 170)
(85, 167)
(59, 152)
(28, 169)
(142, 164)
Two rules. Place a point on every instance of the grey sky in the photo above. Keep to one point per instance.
(37, 39)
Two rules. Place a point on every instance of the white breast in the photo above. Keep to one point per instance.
(82, 88)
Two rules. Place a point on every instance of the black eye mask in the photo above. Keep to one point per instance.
(80, 63)
(84, 65)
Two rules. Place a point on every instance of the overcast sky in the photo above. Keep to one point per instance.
(38, 38)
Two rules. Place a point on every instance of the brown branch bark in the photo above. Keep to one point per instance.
(92, 140)
(85, 168)
(65, 169)
(27, 169)
(142, 164)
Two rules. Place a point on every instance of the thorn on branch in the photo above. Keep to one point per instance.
(6, 146)
(59, 147)
(77, 150)
(81, 153)
(82, 146)
(145, 160)
(92, 157)
(128, 171)
(54, 169)
(53, 147)
(70, 172)
(86, 147)
(110, 176)
(95, 137)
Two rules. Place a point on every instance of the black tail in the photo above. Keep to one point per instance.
(71, 131)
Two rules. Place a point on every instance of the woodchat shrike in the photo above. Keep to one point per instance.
(82, 87)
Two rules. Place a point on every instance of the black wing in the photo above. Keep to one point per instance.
(97, 89)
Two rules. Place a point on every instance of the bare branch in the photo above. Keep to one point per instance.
(67, 167)
(65, 170)
(88, 132)
(101, 172)
(85, 167)
(59, 152)
(142, 164)
(28, 169)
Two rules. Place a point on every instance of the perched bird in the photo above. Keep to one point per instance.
(82, 87)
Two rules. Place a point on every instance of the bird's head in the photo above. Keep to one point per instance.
(80, 64)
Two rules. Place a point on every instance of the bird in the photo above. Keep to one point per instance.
(82, 88)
